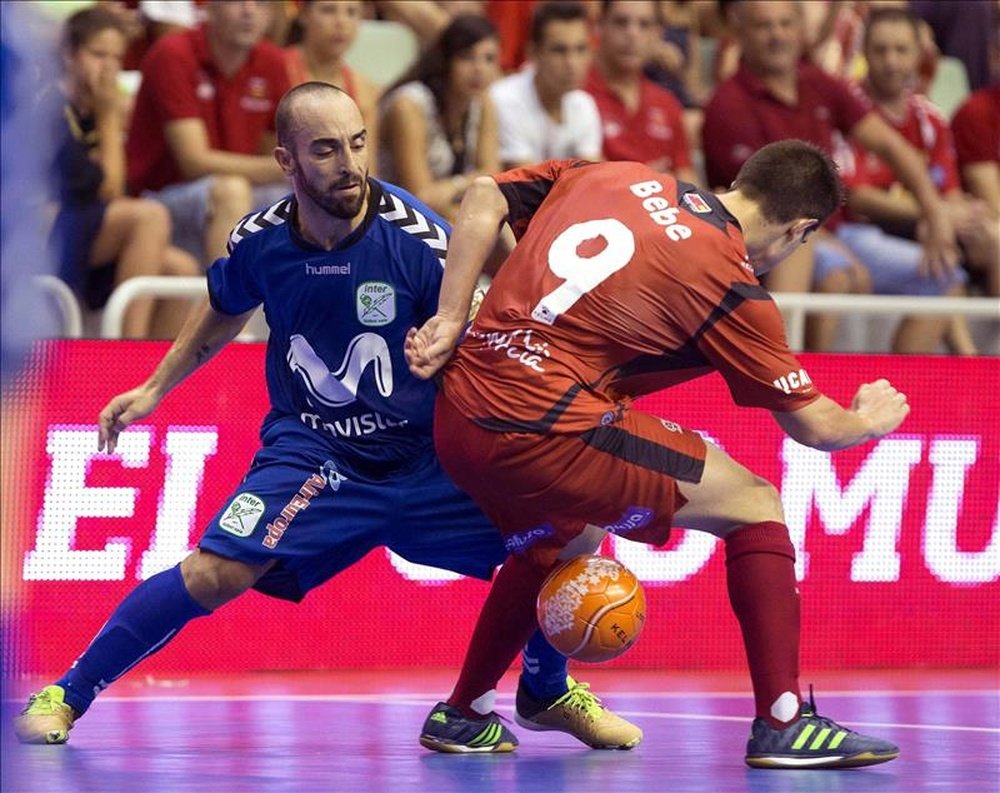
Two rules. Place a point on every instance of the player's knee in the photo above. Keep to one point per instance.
(230, 195)
(766, 501)
(213, 580)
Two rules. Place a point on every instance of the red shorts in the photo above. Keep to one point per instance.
(541, 491)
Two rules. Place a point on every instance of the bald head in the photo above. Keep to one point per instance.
(312, 106)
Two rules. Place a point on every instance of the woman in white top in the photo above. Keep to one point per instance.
(439, 127)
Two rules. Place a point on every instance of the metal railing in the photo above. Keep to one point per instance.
(66, 302)
(794, 306)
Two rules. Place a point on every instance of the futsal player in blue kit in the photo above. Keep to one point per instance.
(343, 267)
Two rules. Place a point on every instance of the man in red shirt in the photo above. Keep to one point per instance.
(883, 216)
(628, 281)
(642, 121)
(776, 95)
(203, 126)
(976, 127)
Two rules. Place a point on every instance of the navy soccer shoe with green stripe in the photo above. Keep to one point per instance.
(814, 742)
(447, 729)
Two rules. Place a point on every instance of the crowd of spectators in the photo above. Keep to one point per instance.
(151, 179)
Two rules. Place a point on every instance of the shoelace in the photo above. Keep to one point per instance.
(43, 701)
(822, 721)
(580, 698)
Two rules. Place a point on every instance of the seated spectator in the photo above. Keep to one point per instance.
(675, 62)
(884, 219)
(775, 95)
(963, 29)
(642, 121)
(202, 129)
(319, 38)
(542, 112)
(976, 127)
(101, 237)
(439, 126)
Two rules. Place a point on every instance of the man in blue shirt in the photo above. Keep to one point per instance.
(343, 267)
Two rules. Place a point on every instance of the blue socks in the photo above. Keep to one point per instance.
(543, 669)
(145, 621)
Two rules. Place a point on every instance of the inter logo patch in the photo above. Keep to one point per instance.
(376, 303)
(242, 516)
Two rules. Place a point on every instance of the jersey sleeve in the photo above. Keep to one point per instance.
(231, 287)
(526, 188)
(744, 340)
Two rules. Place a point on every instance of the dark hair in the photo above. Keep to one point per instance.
(86, 23)
(555, 11)
(463, 33)
(284, 115)
(791, 179)
(891, 14)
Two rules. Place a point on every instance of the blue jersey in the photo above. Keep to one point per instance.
(336, 375)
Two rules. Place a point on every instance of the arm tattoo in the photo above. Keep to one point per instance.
(203, 354)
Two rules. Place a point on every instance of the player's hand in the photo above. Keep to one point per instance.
(428, 349)
(122, 411)
(881, 405)
(936, 233)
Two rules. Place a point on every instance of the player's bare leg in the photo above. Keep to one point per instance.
(151, 615)
(746, 512)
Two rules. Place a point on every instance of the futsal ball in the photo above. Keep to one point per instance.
(591, 608)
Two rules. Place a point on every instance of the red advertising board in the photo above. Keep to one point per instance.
(898, 541)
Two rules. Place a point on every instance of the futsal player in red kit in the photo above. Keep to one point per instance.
(625, 281)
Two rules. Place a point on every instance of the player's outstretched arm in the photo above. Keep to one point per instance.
(877, 410)
(473, 240)
(205, 333)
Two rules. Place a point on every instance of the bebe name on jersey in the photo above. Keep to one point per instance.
(659, 209)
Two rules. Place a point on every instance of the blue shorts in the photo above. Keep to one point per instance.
(893, 262)
(316, 519)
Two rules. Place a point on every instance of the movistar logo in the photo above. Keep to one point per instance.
(340, 388)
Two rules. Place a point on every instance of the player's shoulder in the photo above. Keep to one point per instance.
(261, 223)
(409, 220)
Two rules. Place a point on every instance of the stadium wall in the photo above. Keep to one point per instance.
(898, 541)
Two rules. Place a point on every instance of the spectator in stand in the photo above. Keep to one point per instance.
(675, 62)
(642, 122)
(101, 237)
(319, 38)
(513, 21)
(963, 29)
(976, 127)
(542, 111)
(439, 125)
(202, 130)
(776, 95)
(883, 213)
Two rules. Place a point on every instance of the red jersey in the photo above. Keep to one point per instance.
(926, 130)
(976, 127)
(179, 81)
(623, 281)
(743, 116)
(653, 134)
